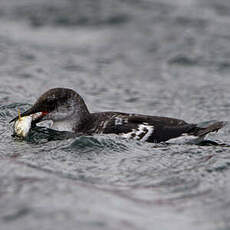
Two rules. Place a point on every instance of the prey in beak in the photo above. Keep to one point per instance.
(23, 122)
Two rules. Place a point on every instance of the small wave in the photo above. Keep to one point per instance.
(184, 61)
(73, 13)
(38, 135)
(89, 143)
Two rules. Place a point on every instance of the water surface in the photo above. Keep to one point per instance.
(152, 57)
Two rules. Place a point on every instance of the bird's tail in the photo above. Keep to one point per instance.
(206, 127)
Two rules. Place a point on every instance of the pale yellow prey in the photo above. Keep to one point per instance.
(22, 125)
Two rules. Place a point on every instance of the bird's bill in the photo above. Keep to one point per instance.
(36, 116)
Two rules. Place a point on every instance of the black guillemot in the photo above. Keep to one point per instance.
(68, 112)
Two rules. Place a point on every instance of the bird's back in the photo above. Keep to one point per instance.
(139, 127)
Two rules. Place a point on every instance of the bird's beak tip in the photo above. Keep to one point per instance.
(13, 120)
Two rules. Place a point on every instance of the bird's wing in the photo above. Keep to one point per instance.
(146, 128)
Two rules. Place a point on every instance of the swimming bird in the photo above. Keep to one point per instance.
(68, 112)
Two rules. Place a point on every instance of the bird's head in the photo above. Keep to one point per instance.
(60, 105)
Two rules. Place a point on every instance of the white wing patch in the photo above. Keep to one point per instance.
(143, 132)
(120, 120)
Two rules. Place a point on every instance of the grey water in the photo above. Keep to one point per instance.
(155, 57)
